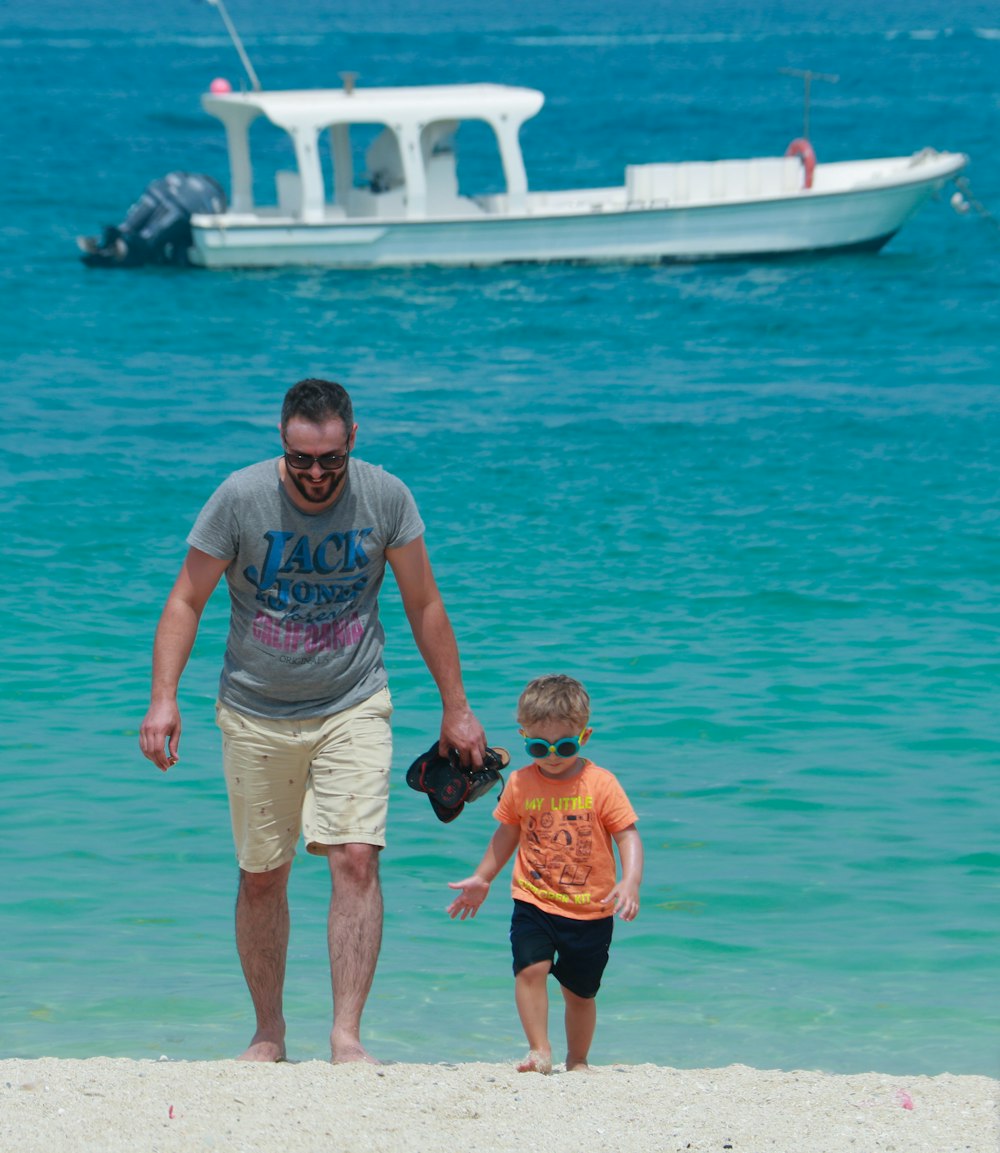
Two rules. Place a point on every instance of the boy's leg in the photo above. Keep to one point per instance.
(532, 997)
(581, 1021)
(583, 955)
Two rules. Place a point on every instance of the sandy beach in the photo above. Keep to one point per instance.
(111, 1105)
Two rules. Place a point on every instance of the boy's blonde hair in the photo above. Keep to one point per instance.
(554, 698)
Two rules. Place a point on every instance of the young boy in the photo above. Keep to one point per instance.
(560, 813)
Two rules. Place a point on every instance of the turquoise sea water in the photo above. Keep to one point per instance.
(754, 507)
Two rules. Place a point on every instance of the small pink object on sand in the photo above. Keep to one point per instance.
(904, 1099)
(220, 84)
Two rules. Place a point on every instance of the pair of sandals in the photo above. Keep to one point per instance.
(449, 784)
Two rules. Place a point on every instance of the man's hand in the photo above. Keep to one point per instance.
(462, 731)
(160, 734)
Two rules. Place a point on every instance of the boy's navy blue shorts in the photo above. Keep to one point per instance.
(577, 949)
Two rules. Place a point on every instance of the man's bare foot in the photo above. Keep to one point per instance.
(344, 1050)
(577, 1067)
(536, 1062)
(263, 1050)
(347, 1056)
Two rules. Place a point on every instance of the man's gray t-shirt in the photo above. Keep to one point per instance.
(305, 638)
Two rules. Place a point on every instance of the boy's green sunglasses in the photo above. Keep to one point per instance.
(537, 748)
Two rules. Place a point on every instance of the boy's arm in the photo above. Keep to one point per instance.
(626, 893)
(475, 889)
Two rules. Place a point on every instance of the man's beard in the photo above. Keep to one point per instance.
(319, 492)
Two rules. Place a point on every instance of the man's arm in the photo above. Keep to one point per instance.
(436, 641)
(160, 734)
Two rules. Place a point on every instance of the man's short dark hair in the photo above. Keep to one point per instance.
(317, 401)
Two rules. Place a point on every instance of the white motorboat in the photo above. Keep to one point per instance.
(397, 201)
(406, 208)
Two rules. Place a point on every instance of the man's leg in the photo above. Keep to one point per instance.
(355, 937)
(262, 942)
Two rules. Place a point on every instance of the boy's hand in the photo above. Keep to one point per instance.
(626, 898)
(474, 891)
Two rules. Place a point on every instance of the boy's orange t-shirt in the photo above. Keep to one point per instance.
(565, 860)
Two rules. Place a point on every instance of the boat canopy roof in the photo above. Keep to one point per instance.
(416, 117)
(420, 105)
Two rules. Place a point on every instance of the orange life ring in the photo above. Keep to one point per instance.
(802, 148)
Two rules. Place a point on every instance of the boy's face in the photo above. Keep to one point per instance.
(554, 733)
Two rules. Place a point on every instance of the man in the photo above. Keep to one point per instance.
(304, 707)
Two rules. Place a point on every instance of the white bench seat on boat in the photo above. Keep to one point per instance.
(711, 181)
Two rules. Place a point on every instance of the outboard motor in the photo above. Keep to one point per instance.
(157, 229)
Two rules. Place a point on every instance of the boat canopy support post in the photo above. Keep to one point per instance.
(343, 163)
(240, 166)
(305, 139)
(506, 131)
(408, 136)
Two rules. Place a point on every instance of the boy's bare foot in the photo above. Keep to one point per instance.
(578, 1067)
(536, 1062)
(263, 1049)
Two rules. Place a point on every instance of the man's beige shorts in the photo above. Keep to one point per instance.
(326, 777)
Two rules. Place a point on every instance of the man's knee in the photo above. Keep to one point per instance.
(264, 885)
(354, 865)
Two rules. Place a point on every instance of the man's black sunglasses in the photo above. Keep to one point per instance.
(328, 462)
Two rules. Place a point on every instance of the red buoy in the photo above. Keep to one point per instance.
(802, 148)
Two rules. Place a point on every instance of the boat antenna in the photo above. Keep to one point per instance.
(237, 42)
(808, 76)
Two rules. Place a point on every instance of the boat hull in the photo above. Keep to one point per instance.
(854, 219)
